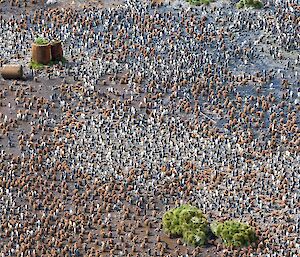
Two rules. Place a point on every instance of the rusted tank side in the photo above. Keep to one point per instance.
(41, 53)
(56, 51)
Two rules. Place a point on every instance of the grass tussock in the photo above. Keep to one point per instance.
(199, 2)
(187, 222)
(249, 4)
(234, 233)
(39, 66)
(36, 66)
(41, 41)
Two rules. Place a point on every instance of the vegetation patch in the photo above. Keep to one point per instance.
(187, 222)
(39, 66)
(234, 233)
(63, 61)
(199, 2)
(249, 3)
(36, 66)
(41, 41)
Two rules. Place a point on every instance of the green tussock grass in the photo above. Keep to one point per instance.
(234, 233)
(41, 41)
(199, 2)
(63, 61)
(187, 222)
(36, 66)
(249, 3)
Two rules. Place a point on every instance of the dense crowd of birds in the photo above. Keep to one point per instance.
(157, 106)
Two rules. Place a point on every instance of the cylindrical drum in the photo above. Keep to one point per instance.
(56, 51)
(12, 71)
(41, 53)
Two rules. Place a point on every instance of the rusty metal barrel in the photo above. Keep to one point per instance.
(12, 71)
(56, 51)
(41, 53)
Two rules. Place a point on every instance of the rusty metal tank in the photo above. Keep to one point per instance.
(41, 53)
(56, 51)
(12, 71)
